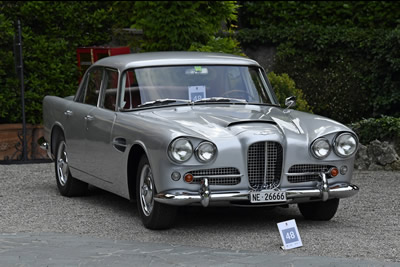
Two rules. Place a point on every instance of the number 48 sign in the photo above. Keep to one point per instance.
(289, 234)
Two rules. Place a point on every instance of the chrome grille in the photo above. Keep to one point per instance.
(264, 165)
(306, 172)
(217, 176)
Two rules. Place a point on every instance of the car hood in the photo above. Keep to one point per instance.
(226, 120)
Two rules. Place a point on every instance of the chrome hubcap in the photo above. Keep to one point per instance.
(146, 190)
(62, 164)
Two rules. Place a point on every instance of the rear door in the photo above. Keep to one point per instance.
(78, 116)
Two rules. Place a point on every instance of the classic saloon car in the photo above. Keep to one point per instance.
(187, 128)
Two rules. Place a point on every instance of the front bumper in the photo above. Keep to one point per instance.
(204, 196)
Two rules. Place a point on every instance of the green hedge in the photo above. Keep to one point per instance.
(51, 33)
(175, 25)
(8, 82)
(360, 14)
(52, 30)
(346, 69)
(385, 128)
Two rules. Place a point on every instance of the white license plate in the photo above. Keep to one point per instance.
(267, 196)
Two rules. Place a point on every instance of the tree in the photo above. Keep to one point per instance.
(176, 25)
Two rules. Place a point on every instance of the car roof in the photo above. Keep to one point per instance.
(153, 59)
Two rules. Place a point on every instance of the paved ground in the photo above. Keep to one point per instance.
(39, 227)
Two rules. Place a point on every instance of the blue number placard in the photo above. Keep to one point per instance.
(289, 234)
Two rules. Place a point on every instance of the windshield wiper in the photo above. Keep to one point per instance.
(221, 99)
(163, 102)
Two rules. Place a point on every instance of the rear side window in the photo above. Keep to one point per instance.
(93, 87)
(91, 91)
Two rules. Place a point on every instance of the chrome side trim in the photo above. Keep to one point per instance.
(302, 174)
(181, 197)
(218, 176)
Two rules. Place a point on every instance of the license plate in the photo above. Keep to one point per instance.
(267, 196)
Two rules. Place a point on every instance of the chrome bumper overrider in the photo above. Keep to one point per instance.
(204, 196)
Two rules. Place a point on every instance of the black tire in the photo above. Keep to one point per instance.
(319, 211)
(66, 183)
(154, 215)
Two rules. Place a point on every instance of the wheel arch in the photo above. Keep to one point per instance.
(135, 154)
(55, 132)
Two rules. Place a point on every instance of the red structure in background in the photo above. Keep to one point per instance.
(88, 55)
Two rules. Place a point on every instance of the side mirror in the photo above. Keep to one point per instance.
(290, 102)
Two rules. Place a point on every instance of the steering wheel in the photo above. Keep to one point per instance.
(240, 93)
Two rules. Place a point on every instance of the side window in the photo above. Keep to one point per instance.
(110, 89)
(93, 87)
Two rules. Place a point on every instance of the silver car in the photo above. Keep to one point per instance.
(169, 129)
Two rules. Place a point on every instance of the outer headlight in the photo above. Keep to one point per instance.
(320, 148)
(345, 145)
(206, 152)
(180, 150)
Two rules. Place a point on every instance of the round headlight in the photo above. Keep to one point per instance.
(320, 148)
(180, 150)
(206, 152)
(345, 145)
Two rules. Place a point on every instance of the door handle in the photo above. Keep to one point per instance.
(68, 112)
(89, 117)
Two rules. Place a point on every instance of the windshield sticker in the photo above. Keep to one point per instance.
(197, 92)
(197, 68)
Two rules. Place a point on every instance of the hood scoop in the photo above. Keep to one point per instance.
(250, 121)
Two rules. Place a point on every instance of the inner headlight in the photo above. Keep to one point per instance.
(320, 148)
(206, 152)
(345, 145)
(180, 150)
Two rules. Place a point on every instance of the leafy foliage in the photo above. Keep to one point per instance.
(385, 128)
(8, 81)
(284, 87)
(51, 33)
(175, 25)
(346, 69)
(52, 30)
(360, 14)
(219, 44)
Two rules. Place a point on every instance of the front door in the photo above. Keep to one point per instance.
(104, 161)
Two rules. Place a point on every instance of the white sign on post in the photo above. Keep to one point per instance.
(289, 234)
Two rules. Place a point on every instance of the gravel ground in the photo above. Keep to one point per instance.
(366, 226)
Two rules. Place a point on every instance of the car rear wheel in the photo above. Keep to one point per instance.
(67, 185)
(154, 215)
(319, 211)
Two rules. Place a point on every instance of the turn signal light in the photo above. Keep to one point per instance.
(334, 172)
(188, 178)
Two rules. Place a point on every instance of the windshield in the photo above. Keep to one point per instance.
(198, 84)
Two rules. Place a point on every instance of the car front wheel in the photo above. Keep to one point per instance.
(154, 215)
(67, 185)
(319, 211)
